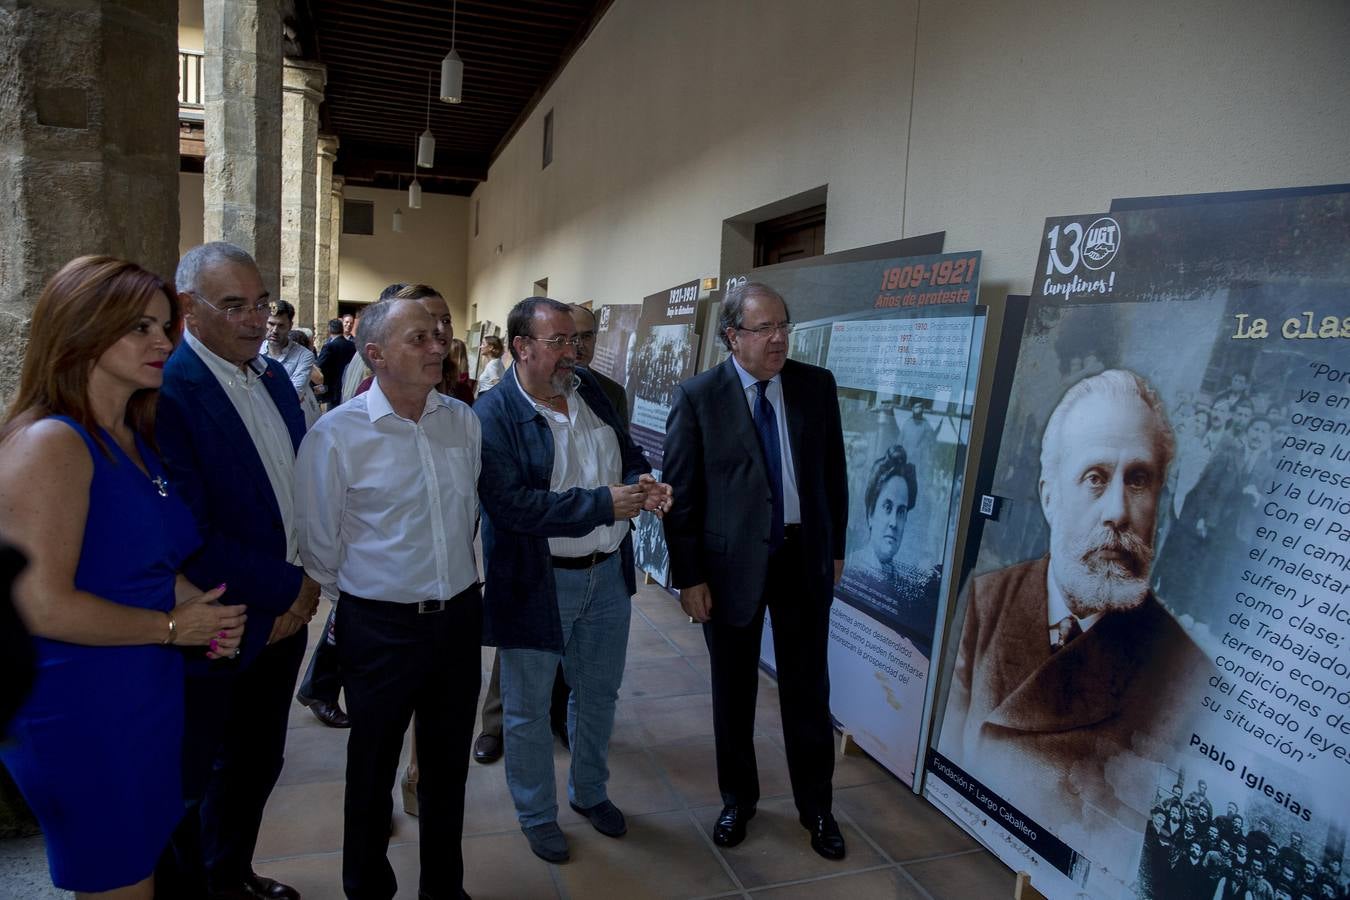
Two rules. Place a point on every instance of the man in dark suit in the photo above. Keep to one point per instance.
(1069, 669)
(755, 457)
(332, 362)
(229, 424)
(586, 325)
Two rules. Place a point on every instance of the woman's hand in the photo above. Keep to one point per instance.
(201, 620)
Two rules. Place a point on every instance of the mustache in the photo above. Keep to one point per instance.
(1136, 554)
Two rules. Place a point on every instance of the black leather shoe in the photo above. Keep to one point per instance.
(329, 714)
(488, 748)
(257, 887)
(730, 828)
(825, 836)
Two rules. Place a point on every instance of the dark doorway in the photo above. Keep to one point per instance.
(794, 236)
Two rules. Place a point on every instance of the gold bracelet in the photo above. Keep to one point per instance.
(173, 630)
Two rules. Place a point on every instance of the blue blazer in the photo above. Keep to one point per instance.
(214, 466)
(520, 513)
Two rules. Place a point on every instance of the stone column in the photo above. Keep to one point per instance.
(334, 249)
(302, 92)
(323, 230)
(88, 146)
(241, 89)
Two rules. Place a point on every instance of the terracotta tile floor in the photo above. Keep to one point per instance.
(662, 776)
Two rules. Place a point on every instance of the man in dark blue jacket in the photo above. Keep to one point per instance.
(559, 482)
(229, 424)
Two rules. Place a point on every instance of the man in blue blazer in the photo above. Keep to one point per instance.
(755, 456)
(229, 425)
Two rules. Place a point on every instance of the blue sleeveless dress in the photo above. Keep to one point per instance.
(96, 749)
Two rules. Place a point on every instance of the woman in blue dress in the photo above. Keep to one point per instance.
(95, 749)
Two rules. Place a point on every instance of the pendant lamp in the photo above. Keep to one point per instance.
(426, 144)
(452, 67)
(414, 195)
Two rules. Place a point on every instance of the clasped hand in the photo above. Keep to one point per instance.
(647, 494)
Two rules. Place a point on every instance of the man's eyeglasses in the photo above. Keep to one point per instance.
(769, 330)
(233, 313)
(558, 343)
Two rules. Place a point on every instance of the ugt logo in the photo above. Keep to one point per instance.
(1101, 243)
(1094, 247)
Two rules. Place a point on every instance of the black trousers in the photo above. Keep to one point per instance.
(323, 678)
(234, 746)
(801, 630)
(397, 662)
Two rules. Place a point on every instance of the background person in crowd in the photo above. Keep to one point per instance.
(297, 360)
(755, 456)
(349, 326)
(229, 425)
(586, 328)
(560, 479)
(357, 371)
(336, 353)
(1081, 623)
(491, 349)
(456, 381)
(391, 526)
(82, 492)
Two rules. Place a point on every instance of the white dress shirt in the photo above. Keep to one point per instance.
(585, 455)
(792, 503)
(1058, 607)
(387, 505)
(265, 425)
(491, 374)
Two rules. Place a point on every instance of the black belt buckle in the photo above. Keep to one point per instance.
(430, 606)
(589, 561)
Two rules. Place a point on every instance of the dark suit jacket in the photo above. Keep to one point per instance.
(520, 513)
(210, 457)
(1118, 692)
(615, 393)
(332, 362)
(718, 527)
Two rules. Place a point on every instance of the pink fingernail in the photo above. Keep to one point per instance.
(214, 645)
(220, 586)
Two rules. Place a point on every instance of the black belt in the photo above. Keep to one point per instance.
(418, 608)
(588, 561)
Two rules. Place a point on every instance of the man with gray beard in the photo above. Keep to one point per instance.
(1070, 670)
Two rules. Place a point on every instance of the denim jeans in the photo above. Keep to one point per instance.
(595, 608)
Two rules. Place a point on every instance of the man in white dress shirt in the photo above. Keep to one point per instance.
(386, 501)
(561, 478)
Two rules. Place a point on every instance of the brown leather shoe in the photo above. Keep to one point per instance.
(488, 748)
(329, 714)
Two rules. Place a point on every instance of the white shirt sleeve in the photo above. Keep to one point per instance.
(320, 499)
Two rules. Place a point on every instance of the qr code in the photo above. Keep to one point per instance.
(986, 504)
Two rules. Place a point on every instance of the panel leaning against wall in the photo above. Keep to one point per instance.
(1151, 677)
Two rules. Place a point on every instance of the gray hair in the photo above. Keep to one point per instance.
(732, 314)
(1112, 385)
(205, 257)
(375, 324)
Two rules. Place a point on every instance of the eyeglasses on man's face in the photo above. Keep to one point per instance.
(237, 311)
(557, 343)
(769, 329)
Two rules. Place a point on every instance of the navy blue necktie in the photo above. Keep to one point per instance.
(766, 424)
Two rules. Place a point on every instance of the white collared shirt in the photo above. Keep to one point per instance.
(387, 505)
(792, 504)
(1058, 607)
(263, 421)
(585, 455)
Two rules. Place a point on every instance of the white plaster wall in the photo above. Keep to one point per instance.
(430, 249)
(674, 117)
